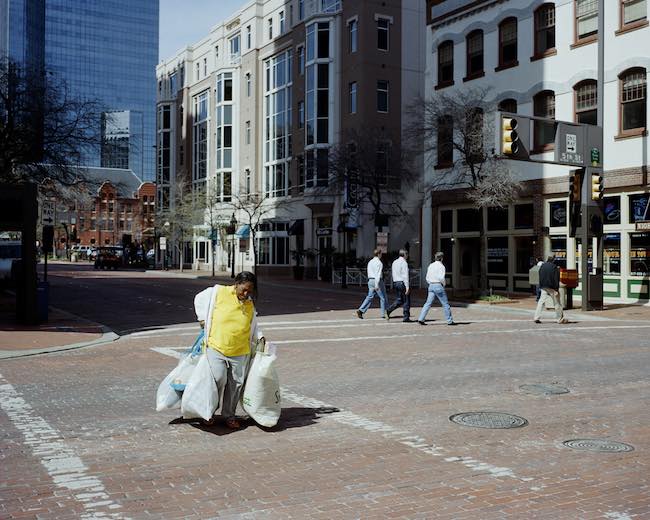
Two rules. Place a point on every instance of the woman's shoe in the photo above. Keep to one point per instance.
(233, 423)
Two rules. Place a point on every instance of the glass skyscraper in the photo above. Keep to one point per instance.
(105, 51)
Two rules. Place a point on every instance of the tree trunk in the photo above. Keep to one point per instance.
(482, 268)
(213, 259)
(254, 251)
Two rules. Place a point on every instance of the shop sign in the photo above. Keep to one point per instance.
(643, 225)
(323, 232)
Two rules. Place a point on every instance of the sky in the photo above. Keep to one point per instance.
(183, 22)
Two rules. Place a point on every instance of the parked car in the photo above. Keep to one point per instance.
(82, 252)
(109, 257)
(10, 255)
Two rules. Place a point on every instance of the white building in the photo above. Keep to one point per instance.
(540, 58)
(255, 107)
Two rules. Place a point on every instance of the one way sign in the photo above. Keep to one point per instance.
(47, 213)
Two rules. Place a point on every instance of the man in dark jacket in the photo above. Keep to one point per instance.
(549, 283)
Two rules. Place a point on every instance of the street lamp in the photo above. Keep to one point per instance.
(233, 226)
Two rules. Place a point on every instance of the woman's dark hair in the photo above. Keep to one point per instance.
(245, 277)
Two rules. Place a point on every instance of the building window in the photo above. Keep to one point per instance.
(223, 186)
(544, 132)
(353, 32)
(639, 254)
(639, 207)
(612, 253)
(248, 132)
(383, 28)
(353, 97)
(508, 43)
(474, 54)
(216, 53)
(382, 96)
(524, 216)
(586, 20)
(633, 95)
(586, 94)
(301, 10)
(445, 142)
(270, 28)
(317, 80)
(198, 71)
(277, 125)
(544, 30)
(612, 210)
(249, 87)
(205, 67)
(446, 63)
(382, 159)
(557, 213)
(247, 182)
(497, 255)
(508, 105)
(281, 22)
(330, 6)
(633, 13)
(200, 139)
(249, 37)
(224, 121)
(301, 60)
(235, 49)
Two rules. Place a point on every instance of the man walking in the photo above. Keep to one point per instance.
(400, 272)
(549, 284)
(376, 286)
(436, 280)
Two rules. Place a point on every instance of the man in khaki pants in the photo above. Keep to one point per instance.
(549, 283)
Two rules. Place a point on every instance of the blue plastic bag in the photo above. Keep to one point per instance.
(193, 352)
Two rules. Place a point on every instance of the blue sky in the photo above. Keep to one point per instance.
(187, 21)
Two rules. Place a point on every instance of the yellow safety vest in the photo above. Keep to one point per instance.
(230, 326)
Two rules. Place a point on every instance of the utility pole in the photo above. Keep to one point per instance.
(591, 206)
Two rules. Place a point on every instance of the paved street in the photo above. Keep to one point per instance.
(365, 430)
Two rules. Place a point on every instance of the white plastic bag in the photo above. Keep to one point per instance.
(171, 389)
(201, 396)
(261, 397)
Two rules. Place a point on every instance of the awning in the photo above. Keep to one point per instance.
(243, 231)
(297, 228)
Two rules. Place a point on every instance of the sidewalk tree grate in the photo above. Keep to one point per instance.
(494, 420)
(601, 445)
(544, 389)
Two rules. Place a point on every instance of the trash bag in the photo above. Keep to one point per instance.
(201, 396)
(261, 396)
(170, 391)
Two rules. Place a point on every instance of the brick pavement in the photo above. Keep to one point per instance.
(365, 430)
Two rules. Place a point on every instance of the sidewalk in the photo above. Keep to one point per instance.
(62, 331)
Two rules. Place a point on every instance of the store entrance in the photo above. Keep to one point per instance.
(468, 263)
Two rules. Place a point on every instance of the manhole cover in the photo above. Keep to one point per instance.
(496, 420)
(601, 445)
(544, 389)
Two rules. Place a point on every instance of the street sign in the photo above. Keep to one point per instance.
(47, 213)
(571, 143)
(595, 156)
(163, 243)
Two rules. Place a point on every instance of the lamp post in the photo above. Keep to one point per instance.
(343, 226)
(233, 226)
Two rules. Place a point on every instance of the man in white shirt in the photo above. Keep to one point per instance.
(436, 280)
(400, 272)
(375, 286)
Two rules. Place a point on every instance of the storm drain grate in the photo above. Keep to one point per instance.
(601, 445)
(544, 389)
(495, 420)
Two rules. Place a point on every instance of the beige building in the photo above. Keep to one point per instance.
(256, 108)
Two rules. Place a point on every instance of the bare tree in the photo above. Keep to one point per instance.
(216, 216)
(183, 215)
(45, 132)
(455, 132)
(370, 168)
(254, 209)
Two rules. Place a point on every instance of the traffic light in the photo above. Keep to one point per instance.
(597, 187)
(575, 186)
(509, 136)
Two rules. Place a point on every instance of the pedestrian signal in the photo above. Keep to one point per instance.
(509, 136)
(597, 187)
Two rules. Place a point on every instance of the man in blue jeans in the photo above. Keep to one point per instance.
(376, 286)
(436, 280)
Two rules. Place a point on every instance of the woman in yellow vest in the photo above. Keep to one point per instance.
(228, 315)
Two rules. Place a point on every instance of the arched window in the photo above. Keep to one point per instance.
(446, 64)
(544, 132)
(508, 105)
(474, 43)
(544, 30)
(586, 102)
(508, 43)
(633, 101)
